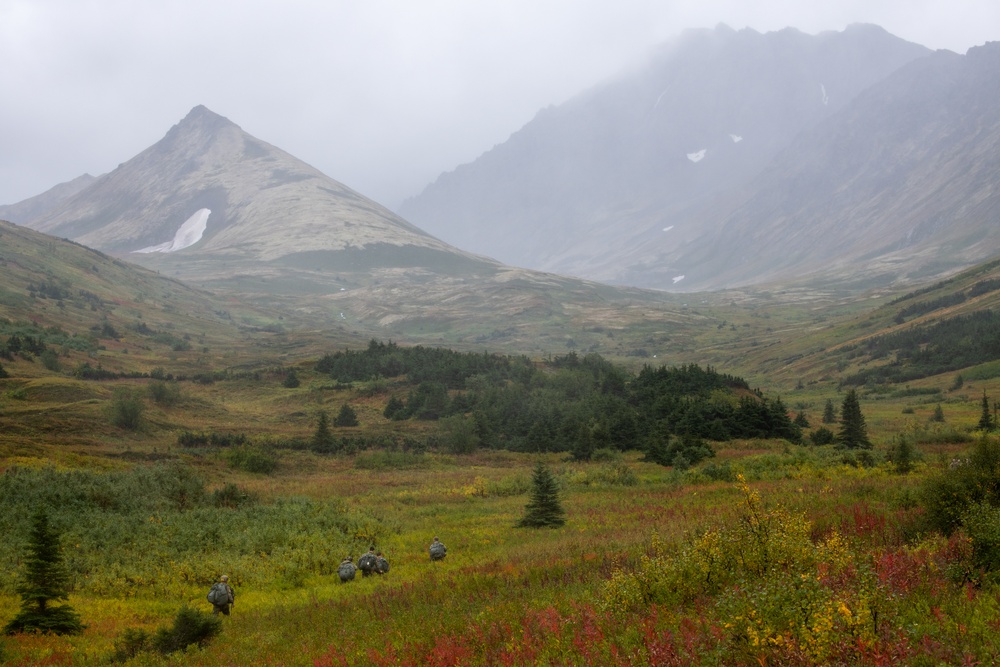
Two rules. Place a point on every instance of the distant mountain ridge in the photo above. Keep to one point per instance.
(39, 205)
(632, 181)
(899, 185)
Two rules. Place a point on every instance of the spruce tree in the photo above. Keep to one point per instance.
(322, 440)
(853, 432)
(45, 581)
(544, 509)
(346, 417)
(829, 413)
(986, 419)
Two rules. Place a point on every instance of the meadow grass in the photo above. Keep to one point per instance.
(519, 596)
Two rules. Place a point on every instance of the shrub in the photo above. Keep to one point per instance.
(190, 627)
(50, 360)
(164, 393)
(126, 408)
(965, 484)
(291, 380)
(822, 436)
(982, 525)
(253, 459)
(130, 644)
(232, 496)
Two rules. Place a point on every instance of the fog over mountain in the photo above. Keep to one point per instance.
(604, 184)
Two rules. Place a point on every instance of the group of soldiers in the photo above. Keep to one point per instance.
(374, 562)
(222, 596)
(370, 563)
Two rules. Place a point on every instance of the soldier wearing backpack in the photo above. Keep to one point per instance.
(222, 596)
(367, 562)
(346, 570)
(437, 549)
(381, 564)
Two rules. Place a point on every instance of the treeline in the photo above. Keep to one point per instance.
(566, 403)
(419, 364)
(948, 345)
(946, 301)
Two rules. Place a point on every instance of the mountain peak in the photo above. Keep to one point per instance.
(203, 118)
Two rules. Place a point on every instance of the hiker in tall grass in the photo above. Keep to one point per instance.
(381, 564)
(367, 562)
(437, 549)
(222, 596)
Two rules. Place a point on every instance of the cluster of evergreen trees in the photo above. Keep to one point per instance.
(948, 345)
(568, 403)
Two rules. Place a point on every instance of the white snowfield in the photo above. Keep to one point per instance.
(736, 138)
(189, 233)
(696, 157)
(677, 279)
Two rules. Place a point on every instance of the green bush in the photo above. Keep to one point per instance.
(190, 627)
(252, 459)
(967, 482)
(126, 409)
(164, 393)
(130, 644)
(982, 525)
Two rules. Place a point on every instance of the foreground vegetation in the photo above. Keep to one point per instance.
(770, 553)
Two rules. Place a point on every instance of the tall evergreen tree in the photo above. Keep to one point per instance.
(544, 509)
(853, 431)
(45, 581)
(986, 419)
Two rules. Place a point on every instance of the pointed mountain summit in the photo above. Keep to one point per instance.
(210, 190)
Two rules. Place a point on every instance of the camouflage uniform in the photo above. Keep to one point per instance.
(223, 584)
(437, 550)
(367, 563)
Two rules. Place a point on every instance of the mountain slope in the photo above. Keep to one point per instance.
(39, 205)
(624, 165)
(900, 185)
(219, 209)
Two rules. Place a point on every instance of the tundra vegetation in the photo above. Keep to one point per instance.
(688, 517)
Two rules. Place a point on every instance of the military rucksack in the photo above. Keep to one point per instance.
(219, 595)
(346, 571)
(438, 551)
(381, 565)
(367, 563)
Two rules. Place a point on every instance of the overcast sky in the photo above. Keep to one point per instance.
(382, 95)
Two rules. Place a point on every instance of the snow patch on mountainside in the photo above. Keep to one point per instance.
(697, 157)
(189, 233)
